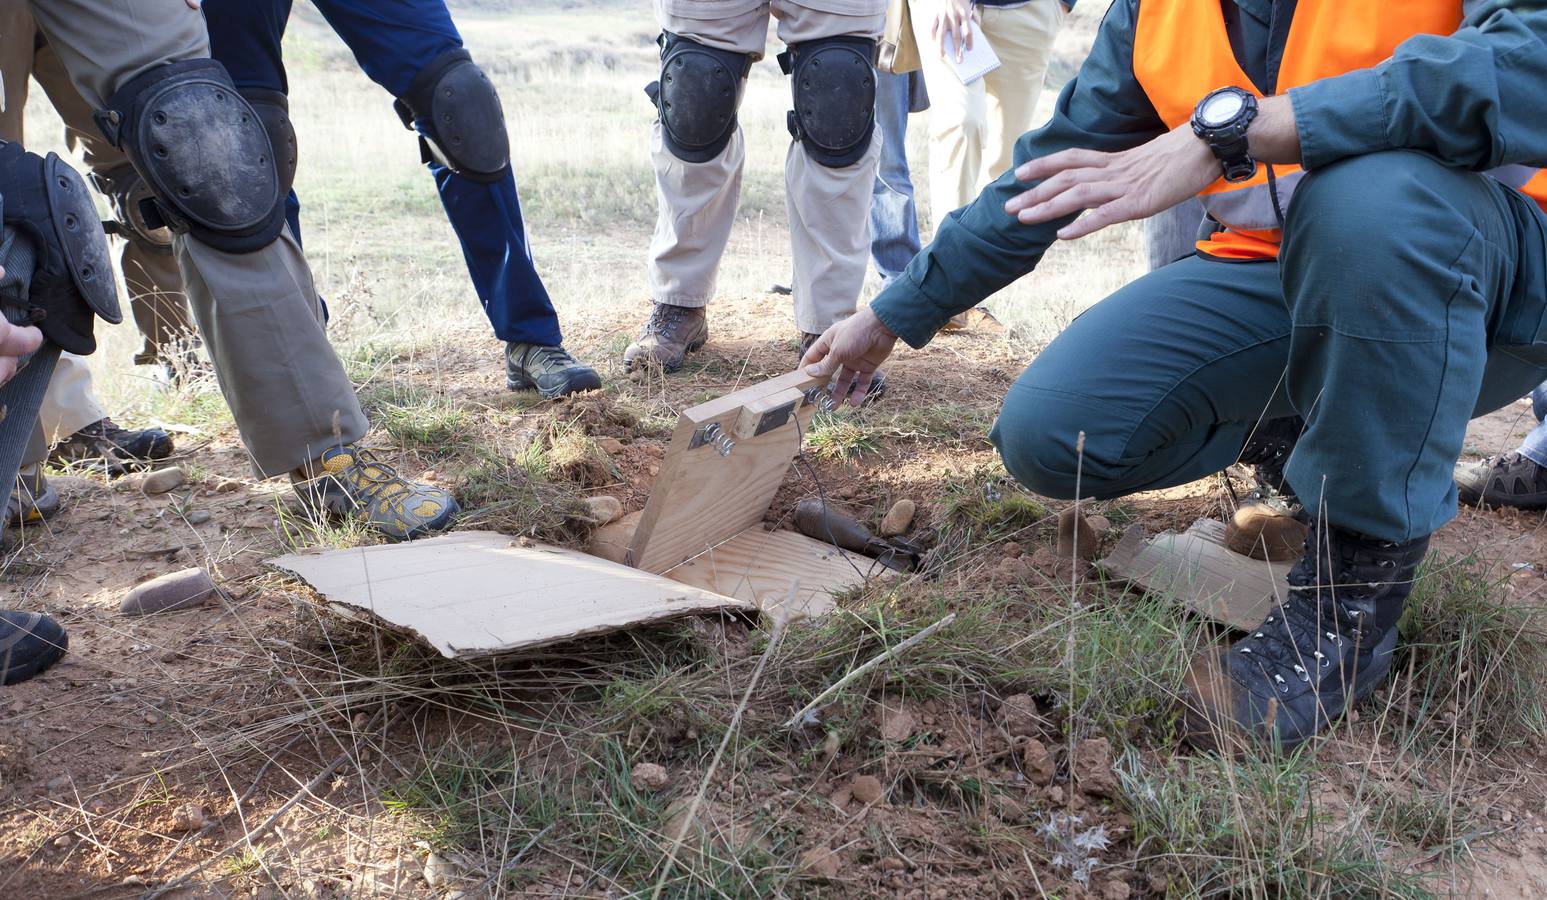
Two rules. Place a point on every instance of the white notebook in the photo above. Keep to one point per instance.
(979, 59)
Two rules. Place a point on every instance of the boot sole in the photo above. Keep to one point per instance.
(526, 384)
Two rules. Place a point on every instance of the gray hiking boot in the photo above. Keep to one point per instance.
(669, 335)
(1509, 480)
(551, 371)
(32, 499)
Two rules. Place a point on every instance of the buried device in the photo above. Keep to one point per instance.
(698, 546)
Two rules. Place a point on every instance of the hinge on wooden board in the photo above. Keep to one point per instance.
(759, 418)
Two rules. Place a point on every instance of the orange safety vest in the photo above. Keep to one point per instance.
(1181, 52)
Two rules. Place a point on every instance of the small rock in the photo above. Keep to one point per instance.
(199, 517)
(175, 590)
(1013, 550)
(1075, 535)
(1043, 560)
(227, 485)
(59, 782)
(189, 817)
(1093, 767)
(1038, 762)
(62, 841)
(168, 656)
(1018, 714)
(654, 470)
(866, 789)
(649, 776)
(610, 444)
(1055, 794)
(897, 519)
(604, 509)
(163, 480)
(893, 864)
(897, 724)
(359, 722)
(1115, 890)
(1100, 524)
(819, 862)
(830, 746)
(437, 871)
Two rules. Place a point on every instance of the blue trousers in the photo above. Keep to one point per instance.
(393, 40)
(894, 219)
(1386, 340)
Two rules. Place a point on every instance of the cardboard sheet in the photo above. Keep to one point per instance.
(1197, 569)
(478, 593)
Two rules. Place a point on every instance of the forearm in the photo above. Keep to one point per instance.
(1273, 137)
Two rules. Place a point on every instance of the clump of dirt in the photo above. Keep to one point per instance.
(596, 414)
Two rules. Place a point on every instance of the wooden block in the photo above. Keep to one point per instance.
(702, 499)
(611, 541)
(758, 566)
(766, 414)
(1197, 569)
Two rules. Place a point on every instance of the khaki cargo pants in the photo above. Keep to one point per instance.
(257, 312)
(829, 208)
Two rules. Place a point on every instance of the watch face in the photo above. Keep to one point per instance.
(1221, 108)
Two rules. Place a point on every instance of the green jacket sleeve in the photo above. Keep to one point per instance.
(1476, 99)
(980, 248)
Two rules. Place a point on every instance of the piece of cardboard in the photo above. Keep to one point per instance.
(478, 593)
(1196, 568)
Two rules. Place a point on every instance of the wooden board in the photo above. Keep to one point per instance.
(702, 499)
(758, 566)
(1197, 569)
(477, 593)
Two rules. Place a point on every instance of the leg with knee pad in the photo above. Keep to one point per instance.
(461, 122)
(203, 152)
(697, 96)
(833, 81)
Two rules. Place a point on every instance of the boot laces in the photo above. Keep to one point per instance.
(376, 479)
(665, 319)
(551, 359)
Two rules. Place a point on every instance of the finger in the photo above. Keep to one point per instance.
(842, 385)
(861, 389)
(819, 352)
(1053, 163)
(1080, 197)
(7, 368)
(1100, 217)
(1049, 188)
(20, 341)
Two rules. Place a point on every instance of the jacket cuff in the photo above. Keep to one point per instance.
(1340, 117)
(908, 313)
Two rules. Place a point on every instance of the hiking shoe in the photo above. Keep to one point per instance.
(1327, 646)
(551, 371)
(669, 335)
(1267, 451)
(1509, 480)
(33, 499)
(873, 393)
(29, 643)
(119, 448)
(353, 482)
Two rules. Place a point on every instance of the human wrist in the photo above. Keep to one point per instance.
(1272, 136)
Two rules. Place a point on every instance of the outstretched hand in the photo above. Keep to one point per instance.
(853, 349)
(1115, 187)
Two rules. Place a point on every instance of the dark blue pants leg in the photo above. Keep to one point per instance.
(393, 40)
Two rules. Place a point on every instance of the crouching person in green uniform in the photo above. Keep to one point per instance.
(1378, 277)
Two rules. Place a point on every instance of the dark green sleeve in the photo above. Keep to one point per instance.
(1476, 99)
(980, 248)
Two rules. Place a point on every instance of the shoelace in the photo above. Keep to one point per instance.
(1292, 644)
(383, 483)
(664, 319)
(552, 357)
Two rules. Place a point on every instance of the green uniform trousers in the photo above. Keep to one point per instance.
(1408, 298)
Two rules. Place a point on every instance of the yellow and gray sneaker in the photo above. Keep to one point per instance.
(353, 482)
(33, 499)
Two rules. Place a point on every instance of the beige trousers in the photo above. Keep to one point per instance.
(829, 208)
(973, 127)
(257, 312)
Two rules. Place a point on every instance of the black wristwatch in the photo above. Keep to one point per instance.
(1221, 119)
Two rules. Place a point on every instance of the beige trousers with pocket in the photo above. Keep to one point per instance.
(829, 208)
(973, 127)
(257, 312)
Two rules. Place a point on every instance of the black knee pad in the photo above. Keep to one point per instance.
(273, 109)
(202, 149)
(697, 96)
(463, 124)
(833, 81)
(135, 206)
(72, 279)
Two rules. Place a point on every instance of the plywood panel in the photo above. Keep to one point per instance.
(702, 499)
(758, 566)
(475, 593)
(1197, 569)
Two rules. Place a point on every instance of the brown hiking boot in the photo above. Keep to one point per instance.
(669, 335)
